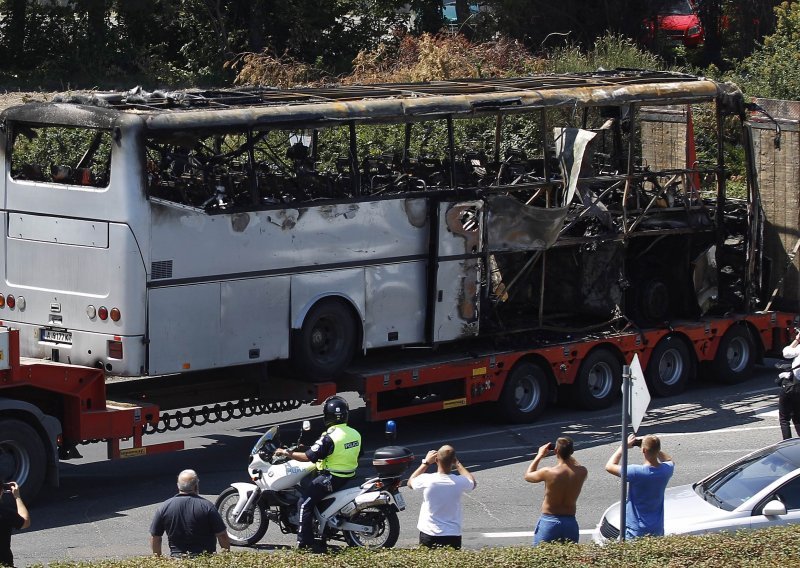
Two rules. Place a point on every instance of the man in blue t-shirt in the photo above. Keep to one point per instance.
(644, 511)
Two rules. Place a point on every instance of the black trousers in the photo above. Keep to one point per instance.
(789, 411)
(313, 491)
(430, 541)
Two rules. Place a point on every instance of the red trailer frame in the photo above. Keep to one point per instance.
(47, 408)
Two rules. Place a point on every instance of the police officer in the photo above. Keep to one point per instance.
(336, 455)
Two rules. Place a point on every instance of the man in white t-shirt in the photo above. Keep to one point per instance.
(440, 516)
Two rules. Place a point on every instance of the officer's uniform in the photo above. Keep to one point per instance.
(336, 455)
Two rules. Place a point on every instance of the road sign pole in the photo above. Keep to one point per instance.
(623, 474)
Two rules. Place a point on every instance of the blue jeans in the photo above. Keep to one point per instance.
(556, 527)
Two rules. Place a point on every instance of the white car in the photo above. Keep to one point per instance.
(760, 490)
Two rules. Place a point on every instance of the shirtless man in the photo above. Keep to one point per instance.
(562, 486)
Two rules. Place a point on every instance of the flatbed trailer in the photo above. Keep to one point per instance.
(587, 370)
(48, 408)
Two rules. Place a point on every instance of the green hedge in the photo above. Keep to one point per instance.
(770, 547)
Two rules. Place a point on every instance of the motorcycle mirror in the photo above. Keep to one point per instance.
(391, 430)
(306, 425)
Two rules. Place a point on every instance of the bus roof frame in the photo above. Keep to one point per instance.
(258, 107)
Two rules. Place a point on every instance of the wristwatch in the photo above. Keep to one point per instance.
(425, 462)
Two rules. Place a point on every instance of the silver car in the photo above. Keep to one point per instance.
(762, 489)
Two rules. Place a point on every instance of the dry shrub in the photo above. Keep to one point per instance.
(268, 69)
(440, 57)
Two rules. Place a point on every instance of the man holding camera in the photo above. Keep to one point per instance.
(562, 486)
(644, 511)
(440, 515)
(789, 397)
(11, 519)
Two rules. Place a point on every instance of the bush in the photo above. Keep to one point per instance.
(778, 546)
(429, 57)
(774, 69)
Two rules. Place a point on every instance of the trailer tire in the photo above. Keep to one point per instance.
(525, 393)
(326, 343)
(669, 367)
(735, 356)
(22, 457)
(598, 381)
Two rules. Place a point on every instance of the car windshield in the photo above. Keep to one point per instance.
(677, 8)
(449, 11)
(740, 481)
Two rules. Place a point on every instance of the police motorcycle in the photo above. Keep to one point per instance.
(363, 515)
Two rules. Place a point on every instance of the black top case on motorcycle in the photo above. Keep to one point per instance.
(392, 461)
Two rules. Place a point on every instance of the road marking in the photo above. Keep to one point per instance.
(522, 534)
(574, 421)
(720, 431)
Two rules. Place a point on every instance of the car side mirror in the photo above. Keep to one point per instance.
(774, 508)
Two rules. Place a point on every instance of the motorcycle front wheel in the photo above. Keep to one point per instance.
(245, 533)
(385, 529)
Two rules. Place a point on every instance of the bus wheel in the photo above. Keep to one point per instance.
(325, 345)
(599, 379)
(669, 367)
(525, 393)
(735, 355)
(22, 457)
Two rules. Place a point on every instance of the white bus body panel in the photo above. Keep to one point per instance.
(308, 289)
(458, 280)
(59, 281)
(317, 238)
(395, 304)
(218, 324)
(270, 267)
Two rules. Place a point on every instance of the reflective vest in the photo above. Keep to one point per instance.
(343, 461)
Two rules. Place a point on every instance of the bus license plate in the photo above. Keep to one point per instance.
(56, 336)
(401, 503)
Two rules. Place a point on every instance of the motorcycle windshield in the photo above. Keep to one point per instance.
(266, 438)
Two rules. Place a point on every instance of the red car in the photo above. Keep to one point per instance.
(677, 23)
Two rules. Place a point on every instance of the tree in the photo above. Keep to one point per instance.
(773, 70)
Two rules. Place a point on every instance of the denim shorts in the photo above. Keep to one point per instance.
(556, 527)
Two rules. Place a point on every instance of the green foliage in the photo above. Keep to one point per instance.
(609, 52)
(35, 150)
(774, 69)
(772, 547)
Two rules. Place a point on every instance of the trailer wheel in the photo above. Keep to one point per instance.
(22, 457)
(669, 367)
(735, 355)
(326, 343)
(525, 393)
(599, 379)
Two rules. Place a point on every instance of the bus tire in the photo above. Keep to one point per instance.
(326, 343)
(598, 381)
(22, 457)
(525, 393)
(735, 356)
(669, 367)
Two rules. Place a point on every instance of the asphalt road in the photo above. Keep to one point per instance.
(103, 508)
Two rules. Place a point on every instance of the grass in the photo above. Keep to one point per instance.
(778, 546)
